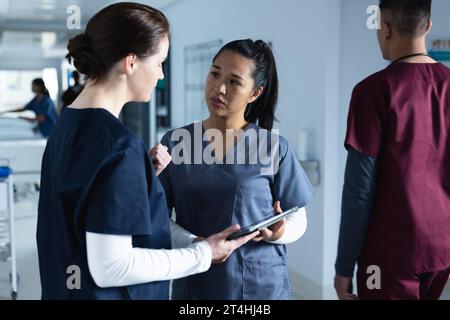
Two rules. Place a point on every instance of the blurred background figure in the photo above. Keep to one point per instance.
(72, 92)
(42, 105)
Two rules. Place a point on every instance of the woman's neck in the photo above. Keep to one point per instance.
(224, 124)
(104, 95)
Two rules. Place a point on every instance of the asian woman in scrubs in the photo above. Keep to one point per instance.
(241, 94)
(103, 228)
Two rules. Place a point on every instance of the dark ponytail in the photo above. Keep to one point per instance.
(115, 32)
(262, 110)
(40, 84)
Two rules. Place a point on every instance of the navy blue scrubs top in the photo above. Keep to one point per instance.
(44, 108)
(208, 198)
(96, 177)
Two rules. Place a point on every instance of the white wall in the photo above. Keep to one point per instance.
(331, 168)
(307, 63)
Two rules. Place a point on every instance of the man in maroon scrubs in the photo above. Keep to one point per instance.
(396, 200)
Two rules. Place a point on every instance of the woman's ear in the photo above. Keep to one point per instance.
(129, 64)
(255, 94)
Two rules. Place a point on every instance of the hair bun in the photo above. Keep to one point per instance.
(83, 56)
(80, 41)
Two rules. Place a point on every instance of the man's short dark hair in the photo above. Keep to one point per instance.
(408, 17)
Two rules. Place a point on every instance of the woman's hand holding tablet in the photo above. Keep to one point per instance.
(275, 225)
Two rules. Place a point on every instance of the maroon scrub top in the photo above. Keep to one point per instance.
(401, 115)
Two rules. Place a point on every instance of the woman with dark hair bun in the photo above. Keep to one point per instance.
(103, 227)
(42, 105)
(247, 173)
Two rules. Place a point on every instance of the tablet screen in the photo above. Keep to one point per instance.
(264, 223)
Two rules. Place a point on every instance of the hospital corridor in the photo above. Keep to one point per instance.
(136, 136)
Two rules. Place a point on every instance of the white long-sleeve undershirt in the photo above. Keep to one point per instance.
(294, 229)
(114, 262)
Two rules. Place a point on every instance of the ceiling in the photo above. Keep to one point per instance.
(39, 27)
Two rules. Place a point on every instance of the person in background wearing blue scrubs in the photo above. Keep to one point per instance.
(69, 96)
(42, 105)
(103, 227)
(241, 94)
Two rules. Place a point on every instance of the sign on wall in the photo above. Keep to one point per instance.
(440, 49)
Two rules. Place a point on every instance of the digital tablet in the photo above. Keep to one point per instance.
(264, 223)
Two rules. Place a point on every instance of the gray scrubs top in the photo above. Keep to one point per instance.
(208, 198)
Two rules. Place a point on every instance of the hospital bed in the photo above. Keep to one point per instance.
(24, 147)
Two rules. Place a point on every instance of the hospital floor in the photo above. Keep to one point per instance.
(27, 261)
